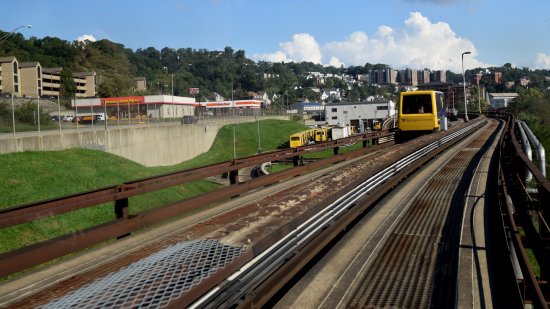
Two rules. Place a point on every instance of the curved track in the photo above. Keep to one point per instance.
(253, 236)
(404, 253)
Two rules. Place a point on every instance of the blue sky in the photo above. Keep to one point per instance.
(401, 33)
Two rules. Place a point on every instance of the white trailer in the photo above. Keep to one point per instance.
(341, 132)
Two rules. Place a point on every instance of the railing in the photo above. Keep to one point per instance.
(520, 209)
(271, 268)
(23, 258)
(28, 114)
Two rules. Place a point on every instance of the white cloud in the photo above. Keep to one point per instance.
(335, 62)
(303, 47)
(419, 44)
(542, 61)
(86, 37)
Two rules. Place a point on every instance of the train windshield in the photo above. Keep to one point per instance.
(417, 104)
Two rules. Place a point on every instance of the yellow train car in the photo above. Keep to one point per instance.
(420, 112)
(322, 134)
(302, 138)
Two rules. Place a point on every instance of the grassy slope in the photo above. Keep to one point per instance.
(32, 176)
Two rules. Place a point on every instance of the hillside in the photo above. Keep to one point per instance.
(227, 72)
(33, 176)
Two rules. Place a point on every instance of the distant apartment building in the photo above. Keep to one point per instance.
(85, 83)
(29, 79)
(492, 77)
(423, 76)
(51, 81)
(9, 76)
(363, 78)
(524, 81)
(497, 77)
(390, 76)
(408, 77)
(383, 77)
(439, 76)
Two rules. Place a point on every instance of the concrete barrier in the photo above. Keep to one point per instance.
(152, 145)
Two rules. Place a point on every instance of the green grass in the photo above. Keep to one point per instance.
(7, 127)
(33, 176)
(274, 134)
(533, 261)
(330, 152)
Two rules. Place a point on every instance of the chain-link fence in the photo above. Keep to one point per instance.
(48, 115)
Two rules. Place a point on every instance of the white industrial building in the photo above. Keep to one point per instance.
(362, 114)
(501, 99)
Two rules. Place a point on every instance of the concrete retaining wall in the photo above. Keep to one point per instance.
(162, 145)
(155, 145)
(147, 145)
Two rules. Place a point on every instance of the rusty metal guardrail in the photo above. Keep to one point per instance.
(120, 193)
(260, 279)
(23, 258)
(513, 193)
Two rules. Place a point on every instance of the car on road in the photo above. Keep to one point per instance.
(68, 118)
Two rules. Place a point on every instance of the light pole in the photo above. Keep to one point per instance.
(464, 85)
(173, 108)
(478, 96)
(13, 114)
(259, 143)
(6, 36)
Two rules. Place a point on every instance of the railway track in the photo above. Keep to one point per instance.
(417, 265)
(48, 285)
(262, 280)
(238, 287)
(404, 252)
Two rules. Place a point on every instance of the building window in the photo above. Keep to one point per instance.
(38, 72)
(15, 79)
(16, 88)
(334, 117)
(334, 110)
(345, 112)
(381, 108)
(15, 65)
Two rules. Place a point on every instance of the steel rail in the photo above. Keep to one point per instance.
(235, 288)
(34, 211)
(537, 297)
(23, 258)
(506, 187)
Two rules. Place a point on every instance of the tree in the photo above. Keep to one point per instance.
(68, 88)
(311, 95)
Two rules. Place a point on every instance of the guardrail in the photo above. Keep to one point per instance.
(520, 209)
(23, 258)
(258, 280)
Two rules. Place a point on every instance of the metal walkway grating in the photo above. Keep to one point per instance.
(156, 280)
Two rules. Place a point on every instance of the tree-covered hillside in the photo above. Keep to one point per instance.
(227, 72)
